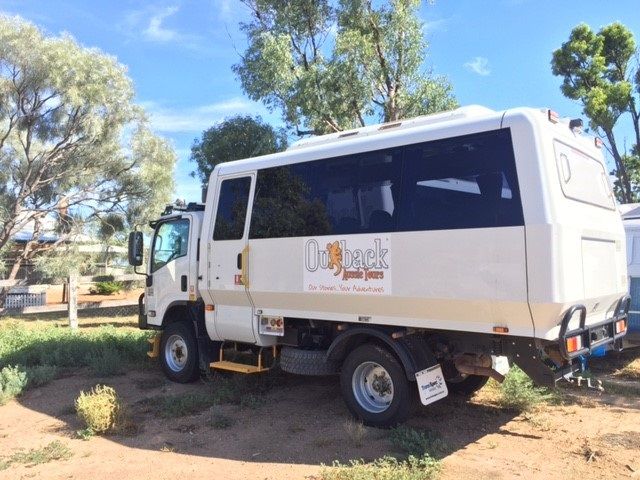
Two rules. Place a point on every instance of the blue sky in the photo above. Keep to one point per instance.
(179, 54)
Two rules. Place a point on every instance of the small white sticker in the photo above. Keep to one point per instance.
(431, 384)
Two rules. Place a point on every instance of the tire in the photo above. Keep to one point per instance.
(179, 353)
(375, 408)
(306, 362)
(466, 386)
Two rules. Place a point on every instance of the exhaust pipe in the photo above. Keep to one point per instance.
(477, 365)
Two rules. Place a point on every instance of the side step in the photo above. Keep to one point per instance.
(226, 365)
(155, 346)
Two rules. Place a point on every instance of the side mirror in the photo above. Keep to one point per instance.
(136, 246)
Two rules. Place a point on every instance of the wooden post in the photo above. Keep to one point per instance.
(72, 293)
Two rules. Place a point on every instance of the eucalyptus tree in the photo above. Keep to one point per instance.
(328, 67)
(74, 147)
(600, 70)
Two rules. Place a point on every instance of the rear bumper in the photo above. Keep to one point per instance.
(595, 335)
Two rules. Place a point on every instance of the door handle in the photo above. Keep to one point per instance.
(183, 283)
(239, 261)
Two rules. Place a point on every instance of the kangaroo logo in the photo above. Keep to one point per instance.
(335, 256)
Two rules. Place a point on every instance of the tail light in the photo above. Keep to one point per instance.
(574, 343)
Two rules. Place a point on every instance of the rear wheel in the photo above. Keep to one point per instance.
(179, 353)
(375, 387)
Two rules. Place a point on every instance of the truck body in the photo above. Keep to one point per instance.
(441, 240)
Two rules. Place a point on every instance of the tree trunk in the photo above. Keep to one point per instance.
(621, 169)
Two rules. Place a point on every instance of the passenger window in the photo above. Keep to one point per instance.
(171, 241)
(232, 209)
(462, 182)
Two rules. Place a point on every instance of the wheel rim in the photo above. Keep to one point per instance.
(372, 387)
(176, 353)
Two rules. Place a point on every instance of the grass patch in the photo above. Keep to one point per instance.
(356, 431)
(385, 468)
(220, 421)
(630, 371)
(184, 404)
(518, 392)
(100, 409)
(37, 343)
(417, 443)
(55, 450)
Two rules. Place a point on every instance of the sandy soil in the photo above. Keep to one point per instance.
(302, 425)
(54, 295)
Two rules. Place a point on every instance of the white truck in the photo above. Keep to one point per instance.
(400, 256)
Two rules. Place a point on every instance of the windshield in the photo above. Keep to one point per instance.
(171, 241)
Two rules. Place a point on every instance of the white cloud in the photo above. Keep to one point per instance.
(198, 118)
(430, 26)
(150, 24)
(479, 65)
(156, 32)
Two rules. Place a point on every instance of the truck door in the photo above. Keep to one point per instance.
(170, 265)
(229, 259)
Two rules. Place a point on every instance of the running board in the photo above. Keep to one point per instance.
(237, 367)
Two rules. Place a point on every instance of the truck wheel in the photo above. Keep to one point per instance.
(375, 387)
(306, 362)
(179, 353)
(466, 385)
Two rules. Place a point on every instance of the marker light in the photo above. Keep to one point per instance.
(553, 116)
(598, 142)
(621, 326)
(574, 343)
(501, 329)
(209, 307)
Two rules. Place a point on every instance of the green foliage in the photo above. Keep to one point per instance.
(185, 404)
(518, 392)
(328, 68)
(236, 138)
(58, 264)
(106, 362)
(13, 381)
(100, 409)
(40, 375)
(107, 288)
(88, 154)
(417, 442)
(55, 450)
(62, 347)
(598, 70)
(385, 468)
(221, 422)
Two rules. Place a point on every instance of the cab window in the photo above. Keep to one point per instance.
(170, 242)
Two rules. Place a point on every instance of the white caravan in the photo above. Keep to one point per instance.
(402, 256)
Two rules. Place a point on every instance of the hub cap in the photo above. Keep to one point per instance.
(176, 353)
(372, 387)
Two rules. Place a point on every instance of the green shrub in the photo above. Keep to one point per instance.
(106, 362)
(518, 392)
(106, 288)
(62, 347)
(40, 375)
(417, 442)
(385, 468)
(220, 421)
(100, 409)
(13, 381)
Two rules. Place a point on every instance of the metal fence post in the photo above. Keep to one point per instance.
(72, 306)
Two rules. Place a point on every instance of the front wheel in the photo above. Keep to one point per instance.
(375, 387)
(179, 353)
